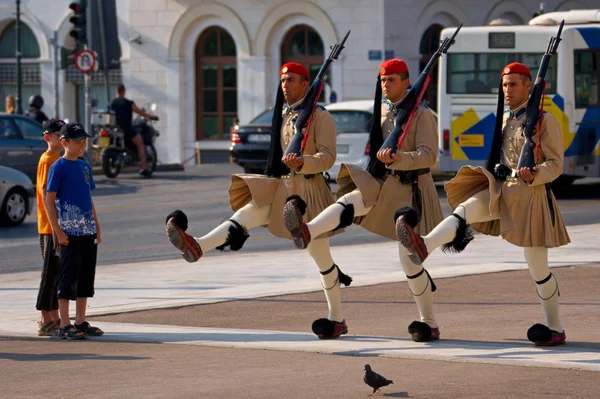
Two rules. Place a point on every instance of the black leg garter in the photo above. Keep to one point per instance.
(236, 237)
(544, 281)
(342, 278)
(347, 216)
(423, 270)
(464, 235)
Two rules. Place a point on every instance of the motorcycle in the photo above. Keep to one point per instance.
(116, 151)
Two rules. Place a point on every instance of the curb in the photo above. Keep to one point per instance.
(167, 167)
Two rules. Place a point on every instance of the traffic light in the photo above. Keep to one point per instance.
(79, 21)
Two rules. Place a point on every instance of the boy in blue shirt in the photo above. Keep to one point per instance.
(73, 218)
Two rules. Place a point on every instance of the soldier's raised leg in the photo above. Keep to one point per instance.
(452, 233)
(232, 233)
(335, 216)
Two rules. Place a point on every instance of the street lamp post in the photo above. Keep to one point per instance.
(19, 108)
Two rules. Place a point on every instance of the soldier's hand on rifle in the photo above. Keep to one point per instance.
(293, 162)
(526, 175)
(387, 156)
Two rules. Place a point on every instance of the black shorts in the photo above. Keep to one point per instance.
(77, 268)
(46, 299)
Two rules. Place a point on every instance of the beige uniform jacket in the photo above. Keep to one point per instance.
(419, 150)
(522, 209)
(319, 156)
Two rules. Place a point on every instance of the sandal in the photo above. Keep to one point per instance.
(86, 328)
(47, 329)
(70, 332)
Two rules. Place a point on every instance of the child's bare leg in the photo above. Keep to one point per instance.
(80, 305)
(63, 309)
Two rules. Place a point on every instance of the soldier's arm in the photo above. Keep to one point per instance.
(325, 136)
(552, 147)
(426, 144)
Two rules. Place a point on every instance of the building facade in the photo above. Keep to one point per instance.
(207, 62)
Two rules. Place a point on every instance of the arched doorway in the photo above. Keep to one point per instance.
(302, 44)
(216, 84)
(30, 67)
(430, 41)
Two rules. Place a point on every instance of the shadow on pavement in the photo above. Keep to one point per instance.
(398, 395)
(26, 230)
(53, 357)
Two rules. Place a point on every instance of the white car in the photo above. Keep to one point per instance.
(352, 124)
(17, 196)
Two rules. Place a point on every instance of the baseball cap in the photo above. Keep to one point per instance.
(52, 125)
(73, 131)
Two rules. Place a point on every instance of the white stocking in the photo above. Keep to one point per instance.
(329, 219)
(537, 260)
(248, 216)
(473, 210)
(420, 287)
(321, 254)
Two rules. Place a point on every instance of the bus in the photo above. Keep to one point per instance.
(469, 77)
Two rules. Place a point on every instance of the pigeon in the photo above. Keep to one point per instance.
(375, 380)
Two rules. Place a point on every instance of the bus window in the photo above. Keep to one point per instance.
(587, 75)
(479, 73)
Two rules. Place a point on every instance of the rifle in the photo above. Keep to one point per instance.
(409, 103)
(533, 112)
(298, 142)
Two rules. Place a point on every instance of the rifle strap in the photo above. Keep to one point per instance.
(412, 113)
(539, 124)
(311, 117)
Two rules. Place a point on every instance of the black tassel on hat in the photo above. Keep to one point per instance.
(275, 166)
(496, 149)
(375, 167)
(464, 235)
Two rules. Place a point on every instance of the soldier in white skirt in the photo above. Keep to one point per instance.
(258, 200)
(521, 208)
(369, 198)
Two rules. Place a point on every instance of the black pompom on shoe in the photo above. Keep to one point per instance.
(410, 215)
(180, 219)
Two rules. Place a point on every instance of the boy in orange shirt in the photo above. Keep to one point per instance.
(47, 302)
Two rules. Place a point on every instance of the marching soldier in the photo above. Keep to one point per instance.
(520, 208)
(258, 200)
(393, 180)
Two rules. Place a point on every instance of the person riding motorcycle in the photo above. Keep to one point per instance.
(36, 102)
(124, 109)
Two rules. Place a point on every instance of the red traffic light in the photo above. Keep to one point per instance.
(77, 6)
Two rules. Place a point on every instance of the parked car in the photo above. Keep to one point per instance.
(21, 143)
(250, 143)
(352, 123)
(17, 195)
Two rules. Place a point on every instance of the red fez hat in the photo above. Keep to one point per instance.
(516, 67)
(294, 67)
(392, 67)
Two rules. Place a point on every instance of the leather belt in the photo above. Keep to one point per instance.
(411, 177)
(307, 177)
(504, 173)
(407, 176)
